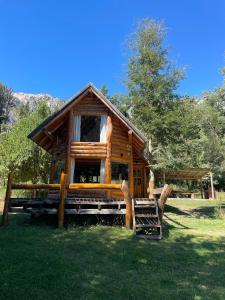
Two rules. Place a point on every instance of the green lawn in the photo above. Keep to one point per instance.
(40, 262)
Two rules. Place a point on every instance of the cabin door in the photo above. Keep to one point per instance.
(138, 181)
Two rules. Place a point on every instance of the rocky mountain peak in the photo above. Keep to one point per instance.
(34, 99)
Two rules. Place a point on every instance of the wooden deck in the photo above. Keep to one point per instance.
(143, 215)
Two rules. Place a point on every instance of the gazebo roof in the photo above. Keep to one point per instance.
(184, 174)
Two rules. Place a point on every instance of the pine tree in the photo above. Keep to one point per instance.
(151, 81)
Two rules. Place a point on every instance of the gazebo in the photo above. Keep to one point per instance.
(194, 174)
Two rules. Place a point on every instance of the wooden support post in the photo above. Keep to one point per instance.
(212, 187)
(164, 178)
(145, 183)
(69, 140)
(108, 174)
(62, 200)
(202, 194)
(128, 201)
(131, 165)
(151, 185)
(5, 218)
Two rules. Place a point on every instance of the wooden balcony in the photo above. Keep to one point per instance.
(88, 150)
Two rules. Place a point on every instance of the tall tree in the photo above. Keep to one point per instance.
(151, 81)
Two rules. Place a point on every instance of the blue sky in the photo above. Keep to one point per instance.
(57, 47)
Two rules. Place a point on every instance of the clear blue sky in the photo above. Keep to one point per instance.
(57, 47)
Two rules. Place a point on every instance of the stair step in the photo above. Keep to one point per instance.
(150, 237)
(147, 225)
(145, 216)
(145, 206)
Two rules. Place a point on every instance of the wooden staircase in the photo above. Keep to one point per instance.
(148, 214)
(146, 221)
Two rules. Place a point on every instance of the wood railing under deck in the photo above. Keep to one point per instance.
(64, 187)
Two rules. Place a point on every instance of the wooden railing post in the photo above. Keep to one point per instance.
(5, 218)
(62, 200)
(162, 200)
(151, 185)
(128, 201)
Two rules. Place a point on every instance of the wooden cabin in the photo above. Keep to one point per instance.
(94, 142)
(101, 154)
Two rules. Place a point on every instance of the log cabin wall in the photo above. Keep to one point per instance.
(121, 149)
(90, 105)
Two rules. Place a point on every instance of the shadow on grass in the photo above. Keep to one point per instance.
(175, 210)
(101, 262)
(175, 222)
(206, 212)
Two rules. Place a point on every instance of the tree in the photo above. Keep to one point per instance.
(7, 101)
(117, 99)
(105, 91)
(20, 155)
(151, 81)
(213, 132)
(183, 147)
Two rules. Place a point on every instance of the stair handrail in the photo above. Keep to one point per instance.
(167, 189)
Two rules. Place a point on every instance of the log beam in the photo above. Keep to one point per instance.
(128, 201)
(69, 141)
(49, 134)
(108, 151)
(131, 164)
(151, 185)
(162, 200)
(93, 186)
(61, 210)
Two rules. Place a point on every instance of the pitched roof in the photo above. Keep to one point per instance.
(88, 88)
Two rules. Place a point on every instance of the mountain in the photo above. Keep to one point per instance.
(34, 99)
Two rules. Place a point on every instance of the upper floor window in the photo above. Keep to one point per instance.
(90, 129)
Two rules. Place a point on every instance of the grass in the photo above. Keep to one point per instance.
(38, 261)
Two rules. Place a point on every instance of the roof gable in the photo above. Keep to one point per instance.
(78, 97)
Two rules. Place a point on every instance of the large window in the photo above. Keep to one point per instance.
(90, 129)
(87, 171)
(119, 172)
